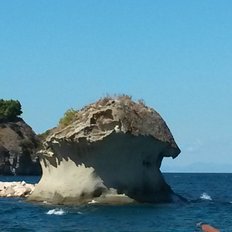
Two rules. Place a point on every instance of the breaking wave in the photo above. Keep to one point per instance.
(92, 202)
(205, 196)
(55, 212)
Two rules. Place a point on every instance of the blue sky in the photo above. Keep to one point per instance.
(176, 55)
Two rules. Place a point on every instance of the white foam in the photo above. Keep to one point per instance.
(205, 196)
(47, 203)
(55, 212)
(92, 202)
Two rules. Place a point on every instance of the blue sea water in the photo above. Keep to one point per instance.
(209, 199)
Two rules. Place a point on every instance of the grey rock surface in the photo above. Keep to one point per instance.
(18, 144)
(112, 147)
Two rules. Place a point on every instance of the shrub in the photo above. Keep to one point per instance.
(69, 117)
(9, 110)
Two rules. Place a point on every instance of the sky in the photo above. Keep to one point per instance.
(175, 55)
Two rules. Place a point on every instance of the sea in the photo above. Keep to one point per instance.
(208, 199)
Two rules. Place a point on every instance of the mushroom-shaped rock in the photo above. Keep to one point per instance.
(112, 146)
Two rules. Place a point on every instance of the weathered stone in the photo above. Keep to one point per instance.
(15, 189)
(113, 143)
(18, 145)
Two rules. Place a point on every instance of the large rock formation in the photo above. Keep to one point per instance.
(18, 144)
(111, 152)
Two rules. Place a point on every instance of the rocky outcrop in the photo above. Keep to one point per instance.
(16, 189)
(111, 152)
(18, 144)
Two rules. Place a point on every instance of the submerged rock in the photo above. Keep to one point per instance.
(110, 152)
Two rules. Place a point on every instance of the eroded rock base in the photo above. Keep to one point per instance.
(119, 168)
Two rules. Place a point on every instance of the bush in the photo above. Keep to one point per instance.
(9, 110)
(68, 118)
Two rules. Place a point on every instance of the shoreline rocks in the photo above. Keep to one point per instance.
(16, 189)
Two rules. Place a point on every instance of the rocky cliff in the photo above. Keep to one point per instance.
(110, 152)
(18, 144)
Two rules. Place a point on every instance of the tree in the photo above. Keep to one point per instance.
(9, 110)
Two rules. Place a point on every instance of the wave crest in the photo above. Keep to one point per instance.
(55, 212)
(206, 196)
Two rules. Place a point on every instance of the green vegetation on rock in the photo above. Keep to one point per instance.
(69, 117)
(9, 110)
